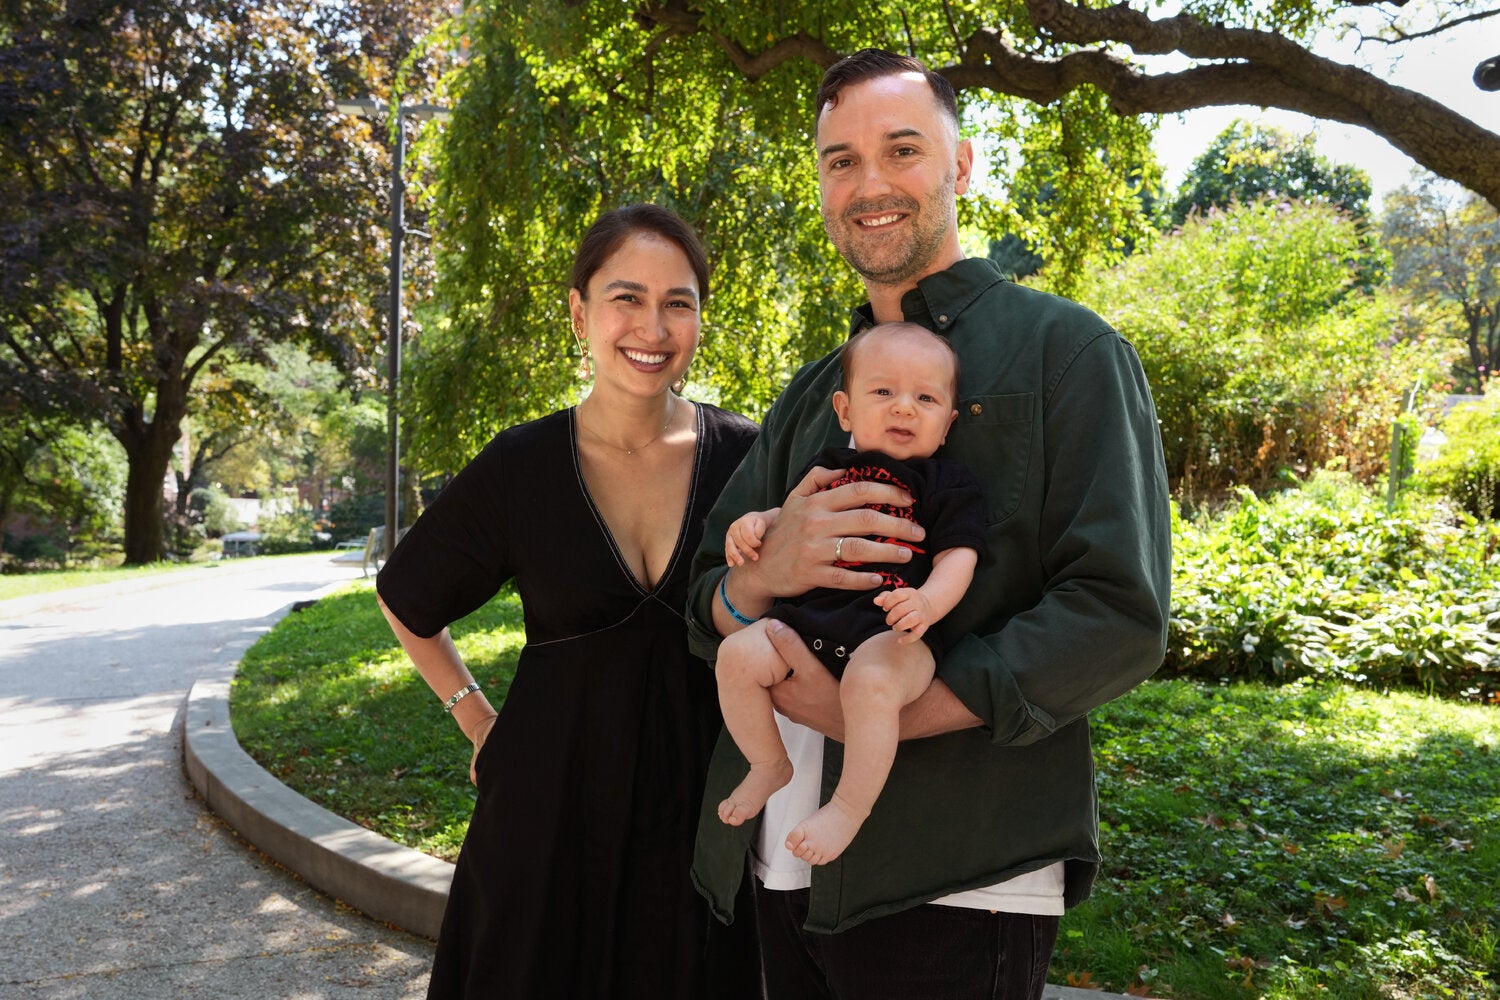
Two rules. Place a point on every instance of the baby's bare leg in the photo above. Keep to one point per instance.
(882, 677)
(747, 667)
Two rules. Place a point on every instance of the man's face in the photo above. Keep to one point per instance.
(890, 166)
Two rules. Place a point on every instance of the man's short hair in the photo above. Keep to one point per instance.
(869, 64)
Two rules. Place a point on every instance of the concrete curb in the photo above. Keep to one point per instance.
(381, 879)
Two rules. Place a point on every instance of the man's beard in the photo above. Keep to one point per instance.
(900, 258)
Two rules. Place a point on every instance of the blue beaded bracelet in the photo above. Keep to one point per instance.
(733, 611)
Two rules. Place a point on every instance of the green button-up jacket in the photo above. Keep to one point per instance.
(1068, 608)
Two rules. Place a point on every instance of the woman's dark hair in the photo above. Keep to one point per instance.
(612, 228)
(868, 64)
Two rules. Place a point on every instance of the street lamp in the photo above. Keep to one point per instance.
(366, 107)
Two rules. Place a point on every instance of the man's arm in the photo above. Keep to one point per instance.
(1103, 551)
(810, 696)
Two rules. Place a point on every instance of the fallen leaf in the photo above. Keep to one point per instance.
(1394, 848)
(1211, 820)
(1430, 884)
(1454, 844)
(1227, 920)
(1404, 894)
(1327, 905)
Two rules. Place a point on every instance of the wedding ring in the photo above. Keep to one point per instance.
(838, 550)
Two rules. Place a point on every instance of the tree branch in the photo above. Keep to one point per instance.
(1402, 37)
(1237, 66)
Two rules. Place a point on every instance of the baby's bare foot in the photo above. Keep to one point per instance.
(825, 834)
(749, 796)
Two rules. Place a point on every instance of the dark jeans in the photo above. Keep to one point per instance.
(936, 952)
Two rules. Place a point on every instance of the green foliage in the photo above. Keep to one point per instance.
(1327, 581)
(355, 516)
(1247, 162)
(1467, 466)
(562, 112)
(1261, 353)
(176, 189)
(288, 532)
(67, 481)
(1305, 841)
(328, 703)
(1445, 246)
(219, 516)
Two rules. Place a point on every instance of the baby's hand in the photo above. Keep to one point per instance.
(907, 611)
(743, 538)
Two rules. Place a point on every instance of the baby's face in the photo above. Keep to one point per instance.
(899, 399)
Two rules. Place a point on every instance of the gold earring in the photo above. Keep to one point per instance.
(585, 361)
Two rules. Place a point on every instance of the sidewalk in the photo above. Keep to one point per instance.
(115, 882)
(382, 879)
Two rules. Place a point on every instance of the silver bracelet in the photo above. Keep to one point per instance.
(460, 695)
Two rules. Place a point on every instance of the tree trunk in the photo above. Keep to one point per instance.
(148, 452)
(144, 505)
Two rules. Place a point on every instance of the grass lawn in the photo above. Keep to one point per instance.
(1294, 842)
(26, 584)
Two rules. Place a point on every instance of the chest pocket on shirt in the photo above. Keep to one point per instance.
(992, 435)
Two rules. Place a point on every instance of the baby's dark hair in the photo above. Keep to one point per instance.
(851, 348)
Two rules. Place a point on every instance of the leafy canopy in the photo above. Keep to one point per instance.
(562, 112)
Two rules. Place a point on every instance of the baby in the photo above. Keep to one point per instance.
(900, 384)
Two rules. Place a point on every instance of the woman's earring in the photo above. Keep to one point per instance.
(680, 384)
(585, 362)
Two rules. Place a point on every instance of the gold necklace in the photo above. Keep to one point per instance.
(671, 411)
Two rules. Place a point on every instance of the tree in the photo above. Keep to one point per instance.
(1245, 162)
(562, 110)
(177, 187)
(65, 482)
(1238, 52)
(1445, 250)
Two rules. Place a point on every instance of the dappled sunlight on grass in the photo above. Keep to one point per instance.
(1308, 840)
(329, 704)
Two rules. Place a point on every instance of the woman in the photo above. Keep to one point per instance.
(573, 880)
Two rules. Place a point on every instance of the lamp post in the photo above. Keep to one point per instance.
(369, 108)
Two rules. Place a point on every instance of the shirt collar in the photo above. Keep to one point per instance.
(939, 299)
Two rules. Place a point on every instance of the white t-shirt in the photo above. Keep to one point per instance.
(1039, 892)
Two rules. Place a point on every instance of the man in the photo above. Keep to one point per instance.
(987, 828)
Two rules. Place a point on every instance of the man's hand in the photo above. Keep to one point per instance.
(818, 535)
(908, 611)
(810, 696)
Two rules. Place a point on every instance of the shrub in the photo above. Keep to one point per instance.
(292, 532)
(1262, 351)
(1467, 466)
(1327, 581)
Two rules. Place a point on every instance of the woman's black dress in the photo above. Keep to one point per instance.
(573, 880)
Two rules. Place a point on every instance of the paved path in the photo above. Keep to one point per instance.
(115, 882)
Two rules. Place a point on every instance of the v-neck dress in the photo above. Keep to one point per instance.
(573, 880)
